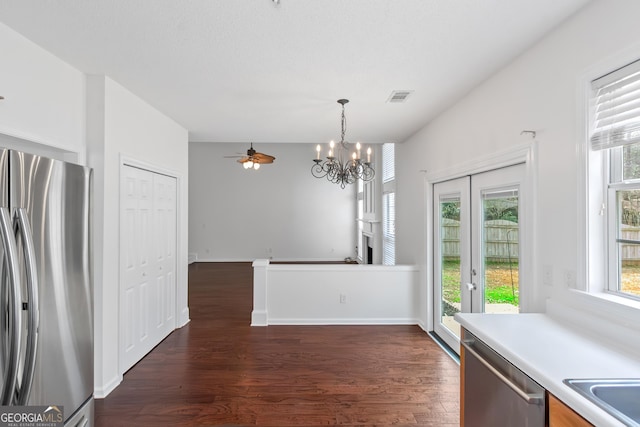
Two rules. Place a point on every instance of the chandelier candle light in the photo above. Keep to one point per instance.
(340, 167)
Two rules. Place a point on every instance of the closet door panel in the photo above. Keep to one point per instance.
(148, 238)
(165, 252)
(136, 205)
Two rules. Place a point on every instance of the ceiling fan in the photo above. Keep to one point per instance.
(253, 159)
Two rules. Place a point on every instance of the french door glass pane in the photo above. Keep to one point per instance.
(629, 241)
(450, 262)
(500, 250)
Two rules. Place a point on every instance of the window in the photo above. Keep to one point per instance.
(388, 205)
(615, 162)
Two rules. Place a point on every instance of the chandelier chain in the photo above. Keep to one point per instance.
(344, 127)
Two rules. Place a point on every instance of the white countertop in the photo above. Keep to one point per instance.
(549, 352)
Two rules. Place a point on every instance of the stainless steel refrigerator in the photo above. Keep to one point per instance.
(46, 293)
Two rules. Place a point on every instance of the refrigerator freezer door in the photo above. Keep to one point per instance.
(11, 303)
(55, 196)
(10, 298)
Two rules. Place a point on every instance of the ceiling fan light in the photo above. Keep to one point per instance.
(253, 159)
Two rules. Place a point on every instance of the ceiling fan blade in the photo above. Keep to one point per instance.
(263, 158)
(254, 156)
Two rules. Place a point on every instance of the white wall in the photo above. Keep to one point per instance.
(53, 109)
(334, 294)
(539, 91)
(279, 211)
(122, 126)
(44, 97)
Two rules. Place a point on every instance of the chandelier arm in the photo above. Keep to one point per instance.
(318, 170)
(368, 173)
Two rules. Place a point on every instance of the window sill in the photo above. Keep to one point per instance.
(606, 304)
(613, 298)
(608, 317)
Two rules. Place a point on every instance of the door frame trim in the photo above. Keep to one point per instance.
(524, 153)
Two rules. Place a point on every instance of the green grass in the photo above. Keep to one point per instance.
(498, 288)
(451, 280)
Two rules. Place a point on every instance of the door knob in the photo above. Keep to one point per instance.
(471, 286)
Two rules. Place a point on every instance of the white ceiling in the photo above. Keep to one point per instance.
(253, 70)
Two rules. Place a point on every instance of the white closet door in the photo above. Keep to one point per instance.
(148, 238)
(164, 251)
(136, 204)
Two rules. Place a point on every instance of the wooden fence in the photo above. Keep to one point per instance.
(630, 252)
(501, 240)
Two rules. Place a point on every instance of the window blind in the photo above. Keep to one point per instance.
(388, 162)
(388, 204)
(389, 229)
(616, 103)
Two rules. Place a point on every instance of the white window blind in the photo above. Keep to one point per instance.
(389, 229)
(388, 204)
(388, 162)
(616, 103)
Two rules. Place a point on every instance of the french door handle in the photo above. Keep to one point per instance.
(471, 286)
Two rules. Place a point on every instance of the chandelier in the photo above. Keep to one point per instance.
(340, 166)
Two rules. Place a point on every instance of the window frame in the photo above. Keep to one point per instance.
(616, 183)
(603, 177)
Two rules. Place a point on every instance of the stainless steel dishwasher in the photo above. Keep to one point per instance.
(496, 393)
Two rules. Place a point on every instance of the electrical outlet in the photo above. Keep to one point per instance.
(547, 275)
(343, 299)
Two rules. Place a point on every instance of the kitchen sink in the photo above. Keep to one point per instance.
(618, 397)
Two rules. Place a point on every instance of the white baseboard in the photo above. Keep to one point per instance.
(184, 318)
(342, 321)
(259, 318)
(100, 392)
(200, 259)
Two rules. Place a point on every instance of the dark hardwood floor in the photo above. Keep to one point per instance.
(218, 370)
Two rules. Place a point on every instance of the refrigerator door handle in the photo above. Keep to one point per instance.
(23, 227)
(15, 306)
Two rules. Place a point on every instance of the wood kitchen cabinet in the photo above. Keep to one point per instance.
(560, 415)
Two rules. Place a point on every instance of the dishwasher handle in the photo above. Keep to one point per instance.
(530, 398)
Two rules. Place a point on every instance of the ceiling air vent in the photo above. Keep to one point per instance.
(399, 95)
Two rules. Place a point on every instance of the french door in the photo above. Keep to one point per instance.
(477, 251)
